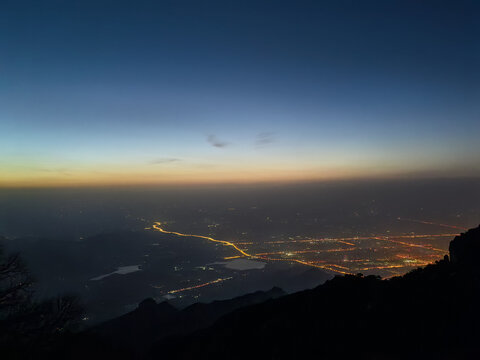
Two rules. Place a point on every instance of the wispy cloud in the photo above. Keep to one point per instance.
(163, 160)
(214, 141)
(264, 138)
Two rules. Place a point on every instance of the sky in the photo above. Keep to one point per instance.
(182, 92)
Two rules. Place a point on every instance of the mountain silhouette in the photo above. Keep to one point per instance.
(465, 249)
(136, 331)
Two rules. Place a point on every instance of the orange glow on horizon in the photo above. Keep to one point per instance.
(186, 177)
(46, 173)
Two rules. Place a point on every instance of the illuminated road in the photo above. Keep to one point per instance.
(157, 227)
(433, 223)
(219, 280)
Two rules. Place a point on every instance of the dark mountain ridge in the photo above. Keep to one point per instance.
(139, 329)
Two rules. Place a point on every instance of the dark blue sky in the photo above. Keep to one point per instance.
(237, 90)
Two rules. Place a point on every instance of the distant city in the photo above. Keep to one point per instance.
(382, 254)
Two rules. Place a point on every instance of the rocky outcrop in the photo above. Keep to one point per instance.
(465, 249)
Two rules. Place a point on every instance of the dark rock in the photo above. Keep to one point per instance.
(465, 248)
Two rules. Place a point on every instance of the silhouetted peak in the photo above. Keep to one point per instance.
(465, 248)
(151, 309)
(276, 292)
(166, 307)
(147, 304)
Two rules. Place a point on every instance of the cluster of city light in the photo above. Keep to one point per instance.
(347, 240)
(398, 261)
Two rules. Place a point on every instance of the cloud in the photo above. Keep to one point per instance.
(164, 160)
(264, 138)
(212, 139)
